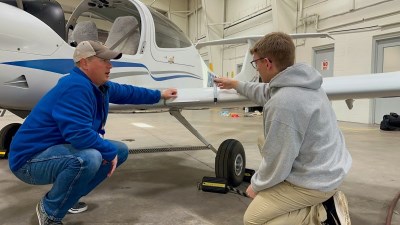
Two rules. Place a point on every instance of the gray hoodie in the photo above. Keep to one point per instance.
(303, 143)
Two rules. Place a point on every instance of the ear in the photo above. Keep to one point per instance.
(83, 63)
(269, 64)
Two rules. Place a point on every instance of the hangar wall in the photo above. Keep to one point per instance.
(352, 23)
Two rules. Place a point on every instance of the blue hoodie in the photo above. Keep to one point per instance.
(74, 112)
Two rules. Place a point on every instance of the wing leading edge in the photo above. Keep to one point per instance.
(363, 86)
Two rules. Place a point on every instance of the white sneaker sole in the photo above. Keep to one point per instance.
(342, 208)
(81, 210)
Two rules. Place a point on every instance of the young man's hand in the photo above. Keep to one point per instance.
(169, 93)
(226, 83)
(250, 192)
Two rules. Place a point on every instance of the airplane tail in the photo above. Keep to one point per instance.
(248, 73)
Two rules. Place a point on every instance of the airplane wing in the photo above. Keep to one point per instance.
(363, 86)
(336, 88)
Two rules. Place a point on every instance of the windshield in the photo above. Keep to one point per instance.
(168, 35)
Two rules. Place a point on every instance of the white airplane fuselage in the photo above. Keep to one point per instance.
(33, 57)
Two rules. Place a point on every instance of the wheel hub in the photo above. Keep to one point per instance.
(238, 164)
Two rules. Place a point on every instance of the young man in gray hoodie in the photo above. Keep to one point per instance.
(304, 157)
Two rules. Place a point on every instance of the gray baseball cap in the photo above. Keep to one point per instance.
(86, 49)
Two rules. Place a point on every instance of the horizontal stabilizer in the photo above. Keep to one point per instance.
(255, 38)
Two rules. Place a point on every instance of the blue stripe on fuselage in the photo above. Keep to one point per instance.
(64, 66)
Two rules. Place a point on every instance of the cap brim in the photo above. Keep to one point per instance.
(109, 54)
(118, 56)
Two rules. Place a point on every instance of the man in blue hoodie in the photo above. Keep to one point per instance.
(61, 141)
(304, 156)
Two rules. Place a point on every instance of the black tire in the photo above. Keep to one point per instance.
(230, 162)
(6, 135)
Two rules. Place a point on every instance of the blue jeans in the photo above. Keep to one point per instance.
(73, 173)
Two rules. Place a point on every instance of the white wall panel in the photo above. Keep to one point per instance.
(284, 15)
(197, 27)
(363, 3)
(260, 25)
(237, 9)
(178, 14)
(326, 7)
(359, 113)
(353, 43)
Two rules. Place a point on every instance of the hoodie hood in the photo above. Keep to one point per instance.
(298, 75)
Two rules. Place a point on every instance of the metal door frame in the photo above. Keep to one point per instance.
(378, 43)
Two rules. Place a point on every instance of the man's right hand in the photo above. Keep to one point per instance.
(226, 83)
(169, 93)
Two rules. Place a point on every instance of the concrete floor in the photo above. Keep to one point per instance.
(161, 188)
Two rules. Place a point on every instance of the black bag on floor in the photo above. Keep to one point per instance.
(390, 122)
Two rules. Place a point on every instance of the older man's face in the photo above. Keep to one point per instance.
(97, 69)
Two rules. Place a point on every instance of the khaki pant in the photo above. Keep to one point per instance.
(287, 204)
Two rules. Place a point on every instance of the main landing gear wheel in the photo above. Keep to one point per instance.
(230, 162)
(6, 135)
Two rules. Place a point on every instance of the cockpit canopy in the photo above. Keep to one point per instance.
(105, 14)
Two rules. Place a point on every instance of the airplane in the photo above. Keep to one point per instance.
(36, 48)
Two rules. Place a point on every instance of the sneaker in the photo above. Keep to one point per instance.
(337, 210)
(43, 218)
(78, 208)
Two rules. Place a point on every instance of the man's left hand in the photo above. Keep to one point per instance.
(113, 164)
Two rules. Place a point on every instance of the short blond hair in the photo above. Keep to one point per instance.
(278, 47)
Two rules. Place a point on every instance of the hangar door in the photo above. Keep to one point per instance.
(387, 57)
